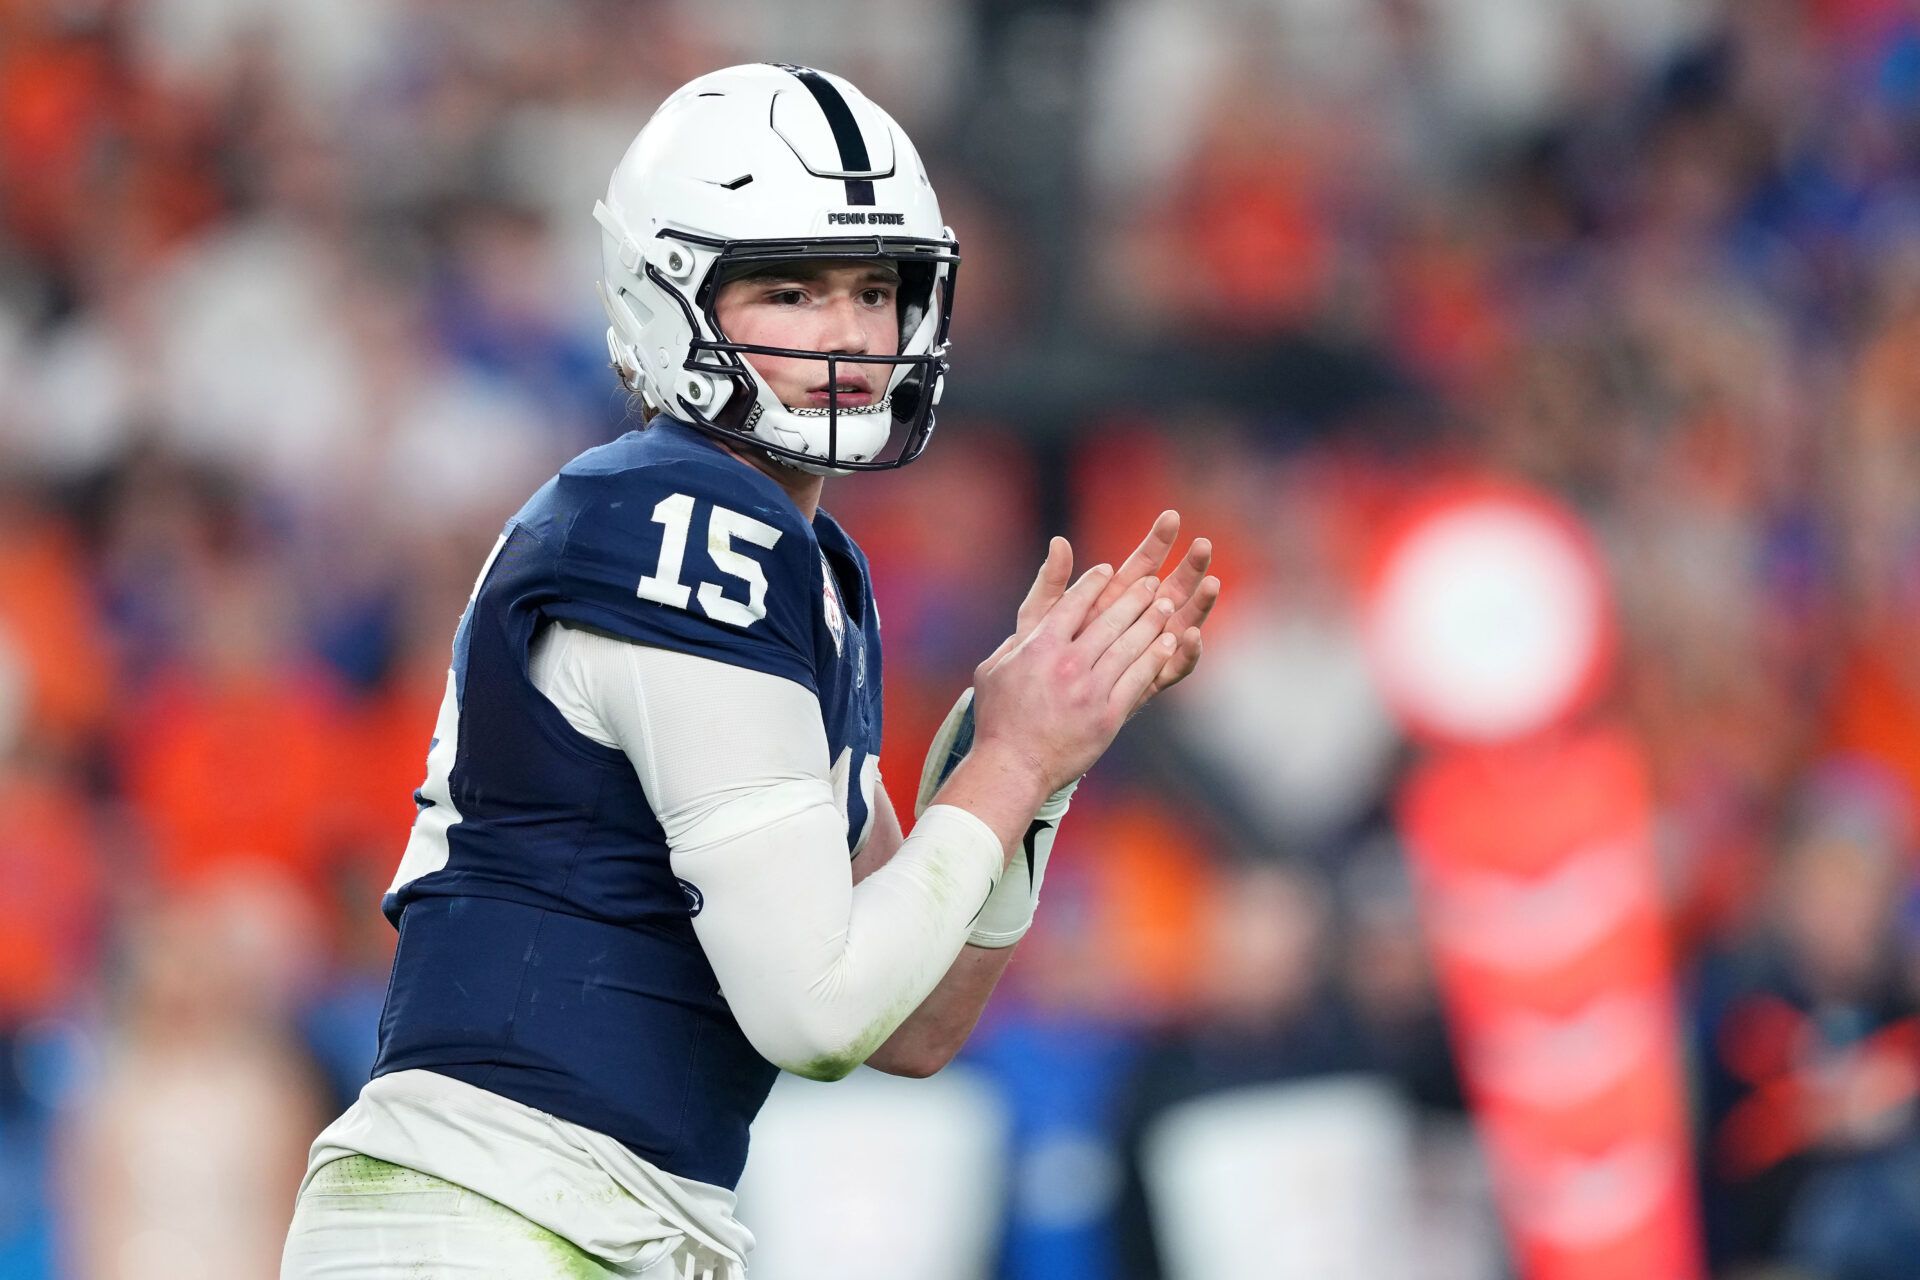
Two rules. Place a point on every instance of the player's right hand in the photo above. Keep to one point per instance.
(1192, 590)
(1054, 698)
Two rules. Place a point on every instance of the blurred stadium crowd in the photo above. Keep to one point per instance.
(296, 306)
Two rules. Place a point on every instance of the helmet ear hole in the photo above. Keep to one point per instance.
(625, 361)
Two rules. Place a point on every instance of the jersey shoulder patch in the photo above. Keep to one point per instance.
(670, 542)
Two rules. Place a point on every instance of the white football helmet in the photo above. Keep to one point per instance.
(759, 164)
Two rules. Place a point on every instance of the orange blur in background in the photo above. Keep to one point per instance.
(296, 307)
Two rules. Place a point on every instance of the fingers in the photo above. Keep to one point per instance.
(1136, 682)
(1195, 608)
(1109, 624)
(1184, 582)
(1186, 651)
(1190, 590)
(1186, 656)
(1076, 605)
(1048, 586)
(1136, 639)
(1056, 571)
(1146, 558)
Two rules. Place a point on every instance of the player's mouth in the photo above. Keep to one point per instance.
(849, 391)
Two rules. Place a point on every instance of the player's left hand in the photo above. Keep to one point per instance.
(1189, 586)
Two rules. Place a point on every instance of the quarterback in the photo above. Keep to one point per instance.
(653, 865)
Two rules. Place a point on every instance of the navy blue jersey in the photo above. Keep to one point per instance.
(546, 950)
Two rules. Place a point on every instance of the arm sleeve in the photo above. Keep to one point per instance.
(818, 972)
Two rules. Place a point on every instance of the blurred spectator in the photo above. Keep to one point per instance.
(1264, 1012)
(1811, 1037)
(1116, 955)
(52, 906)
(296, 307)
(183, 1156)
(1320, 1061)
(232, 756)
(51, 633)
(1253, 180)
(1385, 971)
(1876, 702)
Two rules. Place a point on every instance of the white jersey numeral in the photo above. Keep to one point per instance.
(663, 585)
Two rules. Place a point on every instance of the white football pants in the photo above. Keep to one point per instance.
(364, 1219)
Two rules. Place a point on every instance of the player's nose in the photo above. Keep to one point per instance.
(844, 331)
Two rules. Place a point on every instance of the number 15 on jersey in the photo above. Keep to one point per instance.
(674, 514)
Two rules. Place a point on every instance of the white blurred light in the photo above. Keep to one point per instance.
(876, 1178)
(1488, 621)
(1067, 1181)
(1299, 1181)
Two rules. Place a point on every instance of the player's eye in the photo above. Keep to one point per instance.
(877, 296)
(787, 297)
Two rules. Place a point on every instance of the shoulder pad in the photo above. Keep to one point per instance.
(700, 555)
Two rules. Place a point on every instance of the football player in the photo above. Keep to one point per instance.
(653, 864)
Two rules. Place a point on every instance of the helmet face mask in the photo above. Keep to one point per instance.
(661, 289)
(854, 438)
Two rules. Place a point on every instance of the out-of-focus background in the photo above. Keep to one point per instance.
(296, 306)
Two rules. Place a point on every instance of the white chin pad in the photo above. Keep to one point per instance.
(862, 430)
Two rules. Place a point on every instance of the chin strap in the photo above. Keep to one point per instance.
(883, 405)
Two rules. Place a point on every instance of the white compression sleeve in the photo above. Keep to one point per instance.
(818, 971)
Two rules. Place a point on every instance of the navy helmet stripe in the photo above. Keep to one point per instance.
(846, 130)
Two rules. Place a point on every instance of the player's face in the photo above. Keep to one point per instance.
(840, 306)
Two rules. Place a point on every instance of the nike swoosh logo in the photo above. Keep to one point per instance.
(1033, 833)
